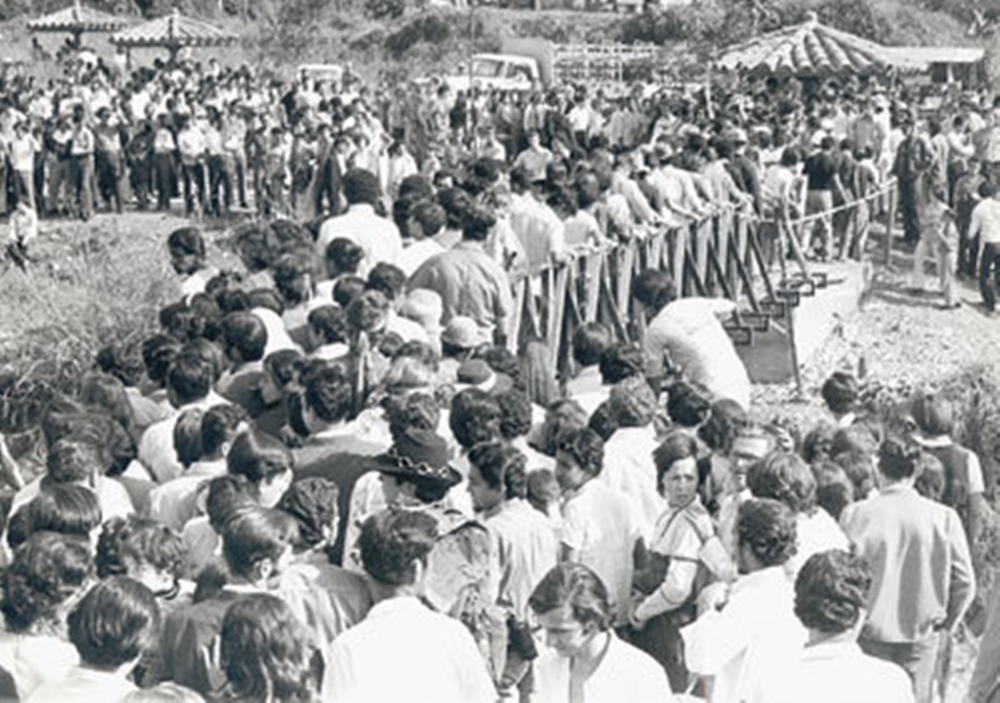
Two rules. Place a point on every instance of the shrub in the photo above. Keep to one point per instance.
(382, 9)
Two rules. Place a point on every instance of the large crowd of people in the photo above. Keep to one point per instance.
(335, 475)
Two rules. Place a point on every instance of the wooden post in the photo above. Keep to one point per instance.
(793, 349)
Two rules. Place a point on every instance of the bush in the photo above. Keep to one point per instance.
(432, 29)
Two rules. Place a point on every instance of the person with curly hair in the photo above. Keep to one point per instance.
(47, 577)
(785, 477)
(745, 638)
(831, 593)
(267, 654)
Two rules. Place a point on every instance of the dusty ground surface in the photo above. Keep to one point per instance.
(103, 280)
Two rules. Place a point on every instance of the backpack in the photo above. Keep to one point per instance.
(460, 583)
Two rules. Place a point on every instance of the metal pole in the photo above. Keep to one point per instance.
(800, 393)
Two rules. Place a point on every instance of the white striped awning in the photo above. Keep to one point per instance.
(77, 18)
(173, 31)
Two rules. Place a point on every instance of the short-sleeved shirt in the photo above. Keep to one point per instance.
(820, 168)
(470, 283)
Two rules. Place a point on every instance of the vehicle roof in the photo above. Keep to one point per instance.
(509, 58)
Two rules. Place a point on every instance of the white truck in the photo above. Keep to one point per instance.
(527, 64)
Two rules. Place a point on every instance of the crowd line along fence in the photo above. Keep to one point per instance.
(758, 263)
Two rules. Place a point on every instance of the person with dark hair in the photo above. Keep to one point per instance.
(189, 381)
(267, 654)
(523, 540)
(751, 445)
(63, 508)
(329, 333)
(425, 221)
(77, 458)
(785, 477)
(744, 639)
(963, 487)
(726, 419)
(831, 594)
(112, 627)
(688, 332)
(187, 256)
(49, 572)
(203, 440)
(343, 257)
(377, 236)
(668, 584)
(914, 546)
(435, 658)
(265, 462)
(688, 406)
(627, 450)
(475, 417)
(144, 550)
(282, 375)
(840, 394)
(622, 360)
(244, 338)
(584, 658)
(470, 282)
(342, 597)
(590, 342)
(599, 528)
(257, 545)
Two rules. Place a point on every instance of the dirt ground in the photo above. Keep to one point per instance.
(114, 271)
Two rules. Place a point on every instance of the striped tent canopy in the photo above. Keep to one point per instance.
(810, 49)
(77, 19)
(174, 32)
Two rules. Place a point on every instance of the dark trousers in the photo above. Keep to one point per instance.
(194, 186)
(111, 178)
(910, 200)
(221, 173)
(968, 248)
(989, 274)
(661, 639)
(141, 179)
(81, 170)
(164, 179)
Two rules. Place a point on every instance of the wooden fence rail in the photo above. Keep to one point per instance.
(732, 254)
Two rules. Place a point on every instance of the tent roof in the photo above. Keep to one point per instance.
(173, 31)
(811, 49)
(77, 18)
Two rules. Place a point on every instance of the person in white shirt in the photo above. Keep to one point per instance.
(23, 148)
(690, 332)
(378, 236)
(192, 147)
(583, 659)
(830, 596)
(785, 477)
(425, 219)
(599, 528)
(112, 627)
(189, 384)
(524, 541)
(403, 650)
(985, 224)
(744, 644)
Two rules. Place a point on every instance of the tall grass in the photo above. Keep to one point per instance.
(90, 286)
